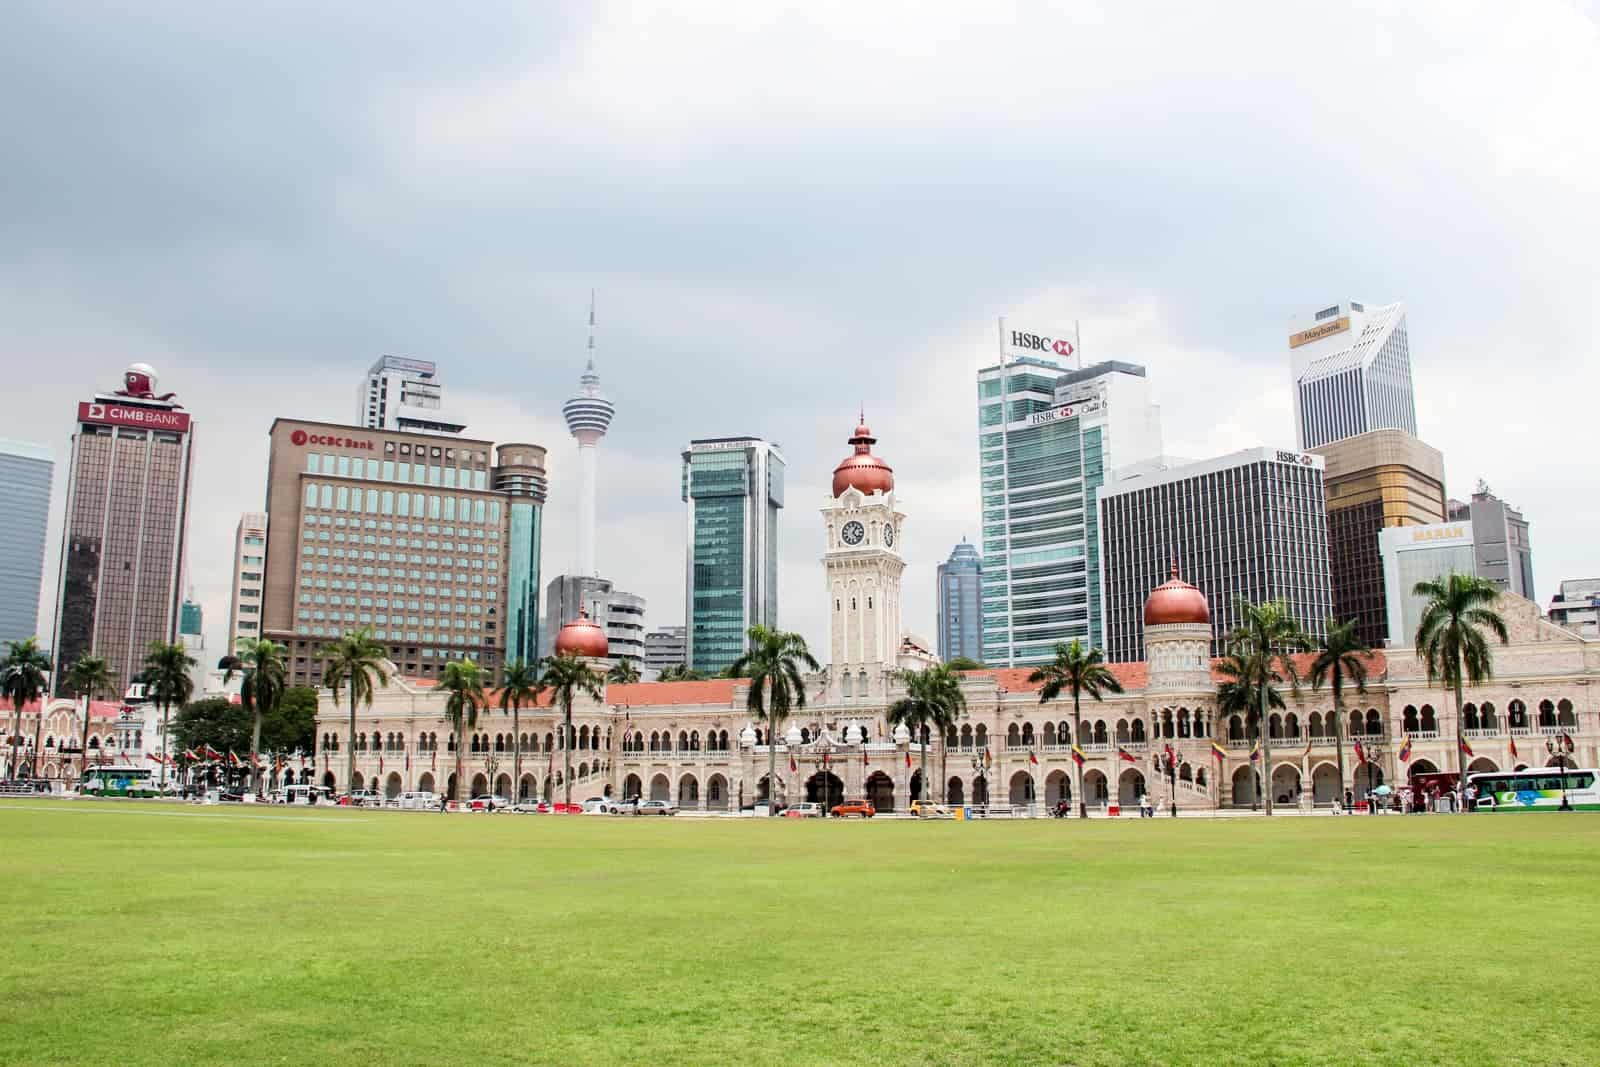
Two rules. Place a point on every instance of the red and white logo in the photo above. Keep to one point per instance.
(298, 437)
(1062, 348)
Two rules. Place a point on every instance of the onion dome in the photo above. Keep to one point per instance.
(863, 470)
(581, 637)
(902, 733)
(792, 737)
(747, 736)
(1176, 602)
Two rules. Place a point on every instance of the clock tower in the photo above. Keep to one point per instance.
(862, 566)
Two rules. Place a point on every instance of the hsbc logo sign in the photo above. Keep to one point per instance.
(1034, 342)
(300, 437)
(1302, 458)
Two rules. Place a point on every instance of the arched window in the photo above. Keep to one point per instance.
(1138, 734)
(1486, 716)
(1166, 724)
(1517, 711)
(1408, 720)
(1429, 720)
(1027, 734)
(1183, 722)
(1101, 736)
(966, 737)
(694, 741)
(1122, 731)
(655, 741)
(1013, 736)
(1291, 725)
(1275, 726)
(982, 736)
(1315, 725)
(1565, 716)
(683, 740)
(1356, 724)
(1375, 721)
(845, 682)
(1235, 728)
(1547, 713)
(1469, 716)
(1048, 734)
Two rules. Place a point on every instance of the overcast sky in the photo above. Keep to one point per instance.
(788, 211)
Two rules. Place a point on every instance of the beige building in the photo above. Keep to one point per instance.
(249, 567)
(696, 743)
(431, 542)
(1374, 481)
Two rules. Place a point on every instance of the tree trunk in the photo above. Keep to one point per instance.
(1461, 756)
(566, 751)
(84, 747)
(350, 773)
(1077, 768)
(255, 747)
(1266, 745)
(455, 783)
(772, 761)
(16, 733)
(165, 730)
(516, 753)
(924, 796)
(1338, 736)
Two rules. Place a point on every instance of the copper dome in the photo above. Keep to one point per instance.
(581, 637)
(863, 470)
(1175, 601)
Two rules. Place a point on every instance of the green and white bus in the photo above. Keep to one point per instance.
(120, 780)
(1537, 789)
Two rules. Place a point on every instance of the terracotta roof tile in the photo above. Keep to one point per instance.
(717, 691)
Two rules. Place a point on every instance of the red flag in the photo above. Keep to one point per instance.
(864, 761)
(1466, 749)
(1171, 756)
(908, 759)
(1361, 753)
(1567, 739)
(408, 761)
(191, 755)
(380, 763)
(794, 768)
(302, 761)
(1077, 755)
(1126, 756)
(1513, 748)
(211, 753)
(1032, 758)
(153, 756)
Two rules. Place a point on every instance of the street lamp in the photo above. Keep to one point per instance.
(1373, 746)
(1560, 747)
(1172, 778)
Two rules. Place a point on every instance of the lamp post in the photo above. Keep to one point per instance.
(824, 749)
(978, 774)
(1172, 780)
(1559, 747)
(1374, 749)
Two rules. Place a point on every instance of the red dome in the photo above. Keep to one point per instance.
(863, 470)
(1176, 601)
(581, 637)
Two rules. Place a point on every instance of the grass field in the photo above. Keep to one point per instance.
(146, 933)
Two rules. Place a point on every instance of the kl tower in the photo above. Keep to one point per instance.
(588, 414)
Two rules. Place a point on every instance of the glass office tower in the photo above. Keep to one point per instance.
(1046, 438)
(734, 489)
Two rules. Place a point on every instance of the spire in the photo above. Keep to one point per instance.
(591, 331)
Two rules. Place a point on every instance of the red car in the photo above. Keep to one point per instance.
(862, 808)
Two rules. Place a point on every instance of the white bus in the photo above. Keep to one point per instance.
(1537, 789)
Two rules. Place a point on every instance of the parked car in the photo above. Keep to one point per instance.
(597, 806)
(658, 807)
(861, 808)
(625, 807)
(927, 809)
(804, 811)
(366, 798)
(489, 803)
(417, 801)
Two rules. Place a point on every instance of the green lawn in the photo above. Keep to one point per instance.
(147, 933)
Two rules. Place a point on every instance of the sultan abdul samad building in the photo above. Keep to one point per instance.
(696, 744)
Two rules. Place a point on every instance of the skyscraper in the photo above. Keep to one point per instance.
(1374, 481)
(1248, 525)
(733, 487)
(191, 617)
(588, 414)
(619, 614)
(25, 473)
(1046, 438)
(415, 536)
(960, 594)
(122, 553)
(664, 648)
(249, 564)
(404, 394)
(1352, 372)
(1500, 541)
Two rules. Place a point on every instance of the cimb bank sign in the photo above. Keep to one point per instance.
(1052, 343)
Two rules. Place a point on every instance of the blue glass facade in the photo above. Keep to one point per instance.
(522, 582)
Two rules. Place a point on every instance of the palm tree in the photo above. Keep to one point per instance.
(772, 663)
(355, 661)
(1075, 670)
(22, 681)
(1341, 656)
(519, 685)
(625, 672)
(1237, 695)
(168, 681)
(464, 682)
(932, 702)
(964, 663)
(566, 676)
(1262, 650)
(265, 676)
(88, 677)
(680, 673)
(1450, 637)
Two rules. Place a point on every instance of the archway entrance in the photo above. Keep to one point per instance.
(916, 785)
(632, 787)
(525, 788)
(502, 786)
(980, 791)
(825, 788)
(1244, 787)
(688, 792)
(1325, 786)
(1368, 777)
(1021, 789)
(660, 788)
(392, 786)
(880, 791)
(1057, 787)
(953, 792)
(1285, 784)
(1130, 787)
(480, 786)
(717, 793)
(425, 783)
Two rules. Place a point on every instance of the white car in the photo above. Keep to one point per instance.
(422, 801)
(366, 798)
(489, 803)
(658, 807)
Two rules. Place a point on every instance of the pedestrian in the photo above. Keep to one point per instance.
(443, 803)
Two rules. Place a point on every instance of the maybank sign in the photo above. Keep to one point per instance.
(1317, 333)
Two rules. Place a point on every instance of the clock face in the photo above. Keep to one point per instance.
(888, 534)
(853, 532)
